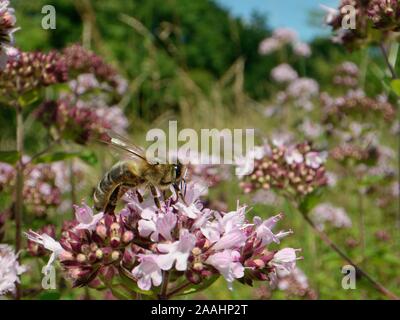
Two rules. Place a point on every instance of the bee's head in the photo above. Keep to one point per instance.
(172, 174)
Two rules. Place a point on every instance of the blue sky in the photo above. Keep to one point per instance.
(283, 13)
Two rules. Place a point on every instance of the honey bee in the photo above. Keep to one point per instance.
(133, 173)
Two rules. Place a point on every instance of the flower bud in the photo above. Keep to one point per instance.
(127, 236)
(115, 255)
(99, 254)
(115, 241)
(101, 231)
(66, 256)
(198, 266)
(196, 251)
(81, 258)
(115, 227)
(128, 259)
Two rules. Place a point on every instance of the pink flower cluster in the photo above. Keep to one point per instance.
(356, 103)
(326, 212)
(40, 189)
(347, 75)
(182, 239)
(294, 169)
(7, 175)
(282, 37)
(207, 175)
(10, 269)
(299, 92)
(74, 121)
(3, 218)
(296, 284)
(82, 61)
(43, 184)
(354, 153)
(7, 28)
(32, 70)
(283, 73)
(383, 15)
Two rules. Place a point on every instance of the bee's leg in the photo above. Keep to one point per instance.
(112, 202)
(155, 196)
(179, 192)
(139, 196)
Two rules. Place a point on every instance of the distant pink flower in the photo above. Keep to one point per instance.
(115, 118)
(84, 83)
(10, 269)
(303, 88)
(285, 35)
(293, 156)
(326, 212)
(302, 49)
(284, 73)
(7, 28)
(311, 129)
(269, 45)
(315, 159)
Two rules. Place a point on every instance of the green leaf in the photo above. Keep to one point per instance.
(200, 287)
(10, 157)
(50, 295)
(120, 294)
(371, 180)
(89, 157)
(55, 156)
(28, 98)
(310, 201)
(395, 84)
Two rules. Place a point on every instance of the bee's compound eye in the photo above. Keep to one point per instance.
(177, 171)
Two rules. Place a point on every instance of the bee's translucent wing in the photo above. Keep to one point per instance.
(121, 144)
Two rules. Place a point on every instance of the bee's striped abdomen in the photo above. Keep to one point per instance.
(120, 174)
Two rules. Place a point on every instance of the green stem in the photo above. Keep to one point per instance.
(44, 151)
(386, 57)
(359, 270)
(163, 293)
(19, 187)
(178, 289)
(361, 223)
(72, 182)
